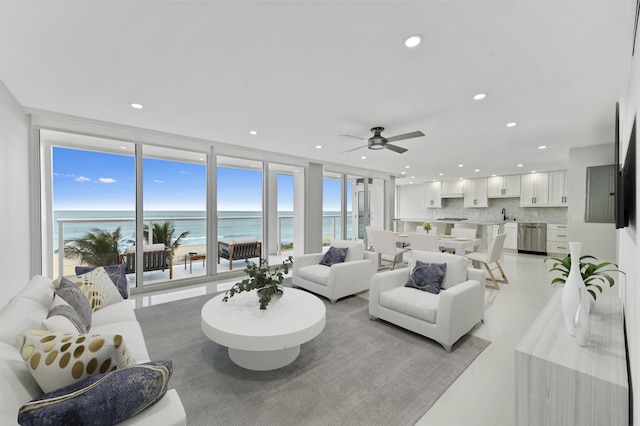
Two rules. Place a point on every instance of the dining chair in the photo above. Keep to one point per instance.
(490, 261)
(386, 246)
(368, 229)
(420, 230)
(423, 242)
(464, 233)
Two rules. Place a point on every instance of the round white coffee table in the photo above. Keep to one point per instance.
(268, 339)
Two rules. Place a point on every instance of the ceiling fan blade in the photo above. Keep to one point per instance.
(396, 148)
(410, 135)
(354, 149)
(357, 137)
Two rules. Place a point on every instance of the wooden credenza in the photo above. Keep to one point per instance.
(561, 383)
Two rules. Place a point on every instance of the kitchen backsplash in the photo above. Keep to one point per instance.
(452, 207)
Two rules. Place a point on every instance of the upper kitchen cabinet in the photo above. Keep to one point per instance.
(432, 194)
(452, 188)
(476, 193)
(534, 190)
(504, 186)
(558, 185)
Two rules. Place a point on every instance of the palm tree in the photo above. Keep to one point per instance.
(96, 248)
(163, 233)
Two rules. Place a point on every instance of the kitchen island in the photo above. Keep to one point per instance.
(486, 230)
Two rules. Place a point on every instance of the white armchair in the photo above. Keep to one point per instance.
(341, 279)
(443, 317)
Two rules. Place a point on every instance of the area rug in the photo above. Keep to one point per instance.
(356, 372)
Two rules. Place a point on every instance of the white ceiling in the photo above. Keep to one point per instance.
(301, 73)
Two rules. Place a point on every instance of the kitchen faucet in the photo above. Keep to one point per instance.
(504, 214)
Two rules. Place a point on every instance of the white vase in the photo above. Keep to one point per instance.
(582, 320)
(570, 292)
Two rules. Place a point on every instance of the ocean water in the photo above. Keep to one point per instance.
(231, 224)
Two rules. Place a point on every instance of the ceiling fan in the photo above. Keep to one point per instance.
(377, 141)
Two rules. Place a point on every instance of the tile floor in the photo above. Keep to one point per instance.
(484, 394)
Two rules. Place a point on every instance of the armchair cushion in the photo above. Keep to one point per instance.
(334, 255)
(427, 276)
(418, 304)
(318, 274)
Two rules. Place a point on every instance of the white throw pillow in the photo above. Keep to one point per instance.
(58, 359)
(98, 288)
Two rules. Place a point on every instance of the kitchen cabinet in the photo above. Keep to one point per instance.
(558, 184)
(557, 239)
(475, 193)
(511, 241)
(504, 186)
(452, 188)
(432, 194)
(534, 190)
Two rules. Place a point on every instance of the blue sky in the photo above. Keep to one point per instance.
(88, 180)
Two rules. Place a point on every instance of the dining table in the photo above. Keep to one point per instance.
(446, 242)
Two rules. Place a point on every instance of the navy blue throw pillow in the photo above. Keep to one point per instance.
(334, 255)
(105, 399)
(427, 276)
(117, 273)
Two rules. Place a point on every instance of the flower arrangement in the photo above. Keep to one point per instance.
(594, 274)
(263, 278)
(427, 226)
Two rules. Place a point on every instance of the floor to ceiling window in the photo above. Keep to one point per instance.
(331, 207)
(240, 211)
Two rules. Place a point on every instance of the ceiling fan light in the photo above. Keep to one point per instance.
(376, 146)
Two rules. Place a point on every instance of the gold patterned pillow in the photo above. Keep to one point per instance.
(58, 359)
(97, 286)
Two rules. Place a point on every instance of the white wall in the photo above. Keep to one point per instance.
(598, 239)
(628, 254)
(14, 193)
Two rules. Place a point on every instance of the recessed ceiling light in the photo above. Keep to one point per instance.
(136, 106)
(480, 96)
(403, 173)
(123, 147)
(476, 170)
(363, 157)
(460, 165)
(253, 132)
(318, 146)
(440, 174)
(512, 124)
(410, 183)
(406, 167)
(460, 178)
(533, 171)
(413, 40)
(413, 177)
(542, 147)
(493, 175)
(434, 180)
(519, 165)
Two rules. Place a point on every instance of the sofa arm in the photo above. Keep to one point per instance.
(373, 257)
(387, 280)
(476, 274)
(350, 273)
(460, 307)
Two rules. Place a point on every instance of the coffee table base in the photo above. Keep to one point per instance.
(264, 360)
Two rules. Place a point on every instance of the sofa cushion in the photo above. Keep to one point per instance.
(97, 287)
(57, 359)
(117, 273)
(356, 249)
(63, 317)
(334, 255)
(104, 399)
(18, 385)
(318, 274)
(131, 333)
(418, 304)
(427, 276)
(116, 312)
(74, 296)
(456, 266)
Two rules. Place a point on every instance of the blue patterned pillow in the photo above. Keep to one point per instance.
(117, 273)
(427, 276)
(334, 255)
(105, 399)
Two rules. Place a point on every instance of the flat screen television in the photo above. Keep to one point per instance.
(625, 183)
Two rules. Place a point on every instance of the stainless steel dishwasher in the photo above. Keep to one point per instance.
(532, 238)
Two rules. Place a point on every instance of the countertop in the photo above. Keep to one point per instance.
(476, 222)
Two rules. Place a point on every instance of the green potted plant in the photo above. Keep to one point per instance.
(266, 280)
(594, 274)
(427, 226)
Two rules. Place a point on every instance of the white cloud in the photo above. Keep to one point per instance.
(83, 179)
(159, 181)
(107, 180)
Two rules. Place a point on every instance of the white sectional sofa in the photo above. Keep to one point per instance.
(27, 310)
